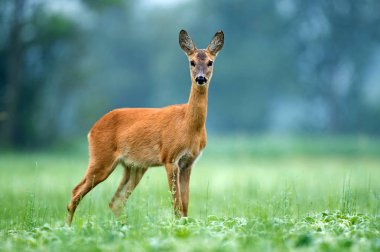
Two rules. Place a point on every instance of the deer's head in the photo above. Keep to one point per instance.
(201, 60)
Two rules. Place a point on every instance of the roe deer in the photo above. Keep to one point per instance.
(139, 138)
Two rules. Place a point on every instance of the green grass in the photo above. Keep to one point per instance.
(247, 194)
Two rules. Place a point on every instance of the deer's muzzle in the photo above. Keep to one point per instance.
(201, 80)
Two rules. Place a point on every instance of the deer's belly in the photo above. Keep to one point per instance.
(142, 157)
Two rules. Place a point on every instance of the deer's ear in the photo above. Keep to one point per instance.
(186, 43)
(216, 43)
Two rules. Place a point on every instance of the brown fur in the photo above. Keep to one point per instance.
(140, 138)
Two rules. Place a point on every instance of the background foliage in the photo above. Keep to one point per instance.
(288, 66)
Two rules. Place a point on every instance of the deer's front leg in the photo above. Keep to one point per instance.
(185, 163)
(172, 173)
(184, 181)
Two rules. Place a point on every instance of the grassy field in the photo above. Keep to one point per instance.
(247, 194)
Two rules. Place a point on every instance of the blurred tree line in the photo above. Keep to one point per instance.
(288, 66)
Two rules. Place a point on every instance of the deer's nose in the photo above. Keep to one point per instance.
(201, 80)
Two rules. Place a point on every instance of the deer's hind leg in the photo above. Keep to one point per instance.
(115, 201)
(97, 172)
(131, 179)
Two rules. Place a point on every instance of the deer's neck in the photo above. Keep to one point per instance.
(197, 107)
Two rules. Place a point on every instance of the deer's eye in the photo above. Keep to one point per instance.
(192, 63)
(209, 63)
